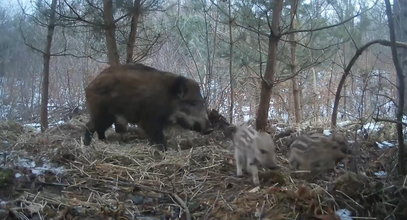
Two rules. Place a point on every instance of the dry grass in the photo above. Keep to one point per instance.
(125, 178)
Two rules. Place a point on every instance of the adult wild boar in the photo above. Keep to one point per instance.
(150, 98)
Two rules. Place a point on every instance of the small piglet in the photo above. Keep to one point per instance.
(253, 149)
(317, 153)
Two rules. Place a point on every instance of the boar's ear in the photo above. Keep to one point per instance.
(179, 87)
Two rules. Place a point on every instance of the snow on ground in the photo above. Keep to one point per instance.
(344, 214)
(385, 144)
(344, 123)
(373, 127)
(327, 132)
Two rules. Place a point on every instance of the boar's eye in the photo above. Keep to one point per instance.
(263, 151)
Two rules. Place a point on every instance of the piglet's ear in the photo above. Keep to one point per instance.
(179, 87)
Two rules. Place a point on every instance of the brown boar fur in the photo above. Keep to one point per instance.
(144, 96)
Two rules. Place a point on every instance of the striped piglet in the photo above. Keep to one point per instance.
(253, 149)
(317, 153)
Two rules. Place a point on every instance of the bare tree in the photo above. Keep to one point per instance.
(400, 77)
(400, 28)
(267, 82)
(296, 89)
(135, 15)
(110, 30)
(231, 63)
(45, 73)
(347, 71)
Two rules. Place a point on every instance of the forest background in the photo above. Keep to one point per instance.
(290, 61)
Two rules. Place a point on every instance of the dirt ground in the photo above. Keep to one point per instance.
(52, 175)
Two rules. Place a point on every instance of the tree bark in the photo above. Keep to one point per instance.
(296, 92)
(400, 28)
(45, 73)
(400, 77)
(110, 29)
(267, 81)
(133, 30)
(231, 109)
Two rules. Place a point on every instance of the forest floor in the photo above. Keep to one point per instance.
(52, 175)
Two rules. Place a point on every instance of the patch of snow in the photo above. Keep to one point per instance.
(343, 123)
(380, 174)
(25, 162)
(49, 168)
(17, 175)
(38, 170)
(344, 214)
(279, 129)
(385, 145)
(327, 132)
(246, 118)
(35, 126)
(59, 122)
(246, 108)
(373, 127)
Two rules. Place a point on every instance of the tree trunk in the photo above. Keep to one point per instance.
(315, 101)
(110, 28)
(400, 77)
(400, 27)
(133, 30)
(296, 92)
(231, 65)
(267, 81)
(45, 73)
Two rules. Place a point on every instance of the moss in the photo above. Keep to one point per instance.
(6, 177)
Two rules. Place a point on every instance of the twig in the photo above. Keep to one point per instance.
(81, 170)
(210, 208)
(350, 199)
(227, 204)
(182, 204)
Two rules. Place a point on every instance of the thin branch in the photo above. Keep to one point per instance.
(322, 28)
(389, 120)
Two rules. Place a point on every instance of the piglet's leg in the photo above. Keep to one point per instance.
(252, 168)
(240, 162)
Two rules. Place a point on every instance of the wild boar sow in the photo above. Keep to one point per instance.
(145, 96)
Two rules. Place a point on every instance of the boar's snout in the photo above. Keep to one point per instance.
(273, 167)
(203, 127)
(208, 128)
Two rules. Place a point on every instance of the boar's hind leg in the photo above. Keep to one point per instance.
(102, 125)
(120, 124)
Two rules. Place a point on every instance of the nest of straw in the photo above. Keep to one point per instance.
(125, 178)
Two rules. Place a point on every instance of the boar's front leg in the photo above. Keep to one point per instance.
(155, 134)
(89, 130)
(240, 161)
(252, 168)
